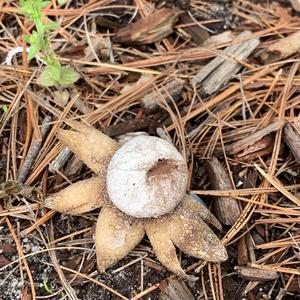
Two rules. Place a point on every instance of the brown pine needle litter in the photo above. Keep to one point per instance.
(139, 63)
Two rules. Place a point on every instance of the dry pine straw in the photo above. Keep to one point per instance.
(199, 125)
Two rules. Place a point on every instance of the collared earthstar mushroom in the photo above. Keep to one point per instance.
(141, 187)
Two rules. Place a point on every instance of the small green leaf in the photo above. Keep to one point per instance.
(46, 287)
(53, 75)
(35, 42)
(26, 38)
(25, 8)
(55, 72)
(33, 50)
(51, 26)
(39, 41)
(46, 78)
(68, 76)
(4, 108)
(40, 27)
(31, 7)
(35, 38)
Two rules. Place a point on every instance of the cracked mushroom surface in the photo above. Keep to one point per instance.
(141, 187)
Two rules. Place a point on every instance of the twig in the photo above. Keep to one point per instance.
(34, 151)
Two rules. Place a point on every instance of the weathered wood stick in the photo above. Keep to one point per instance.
(225, 66)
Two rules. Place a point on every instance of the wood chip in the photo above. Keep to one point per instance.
(225, 66)
(74, 166)
(256, 274)
(8, 249)
(3, 261)
(261, 148)
(170, 91)
(291, 136)
(295, 285)
(243, 256)
(281, 49)
(151, 29)
(138, 124)
(175, 289)
(226, 209)
(257, 239)
(250, 140)
(25, 294)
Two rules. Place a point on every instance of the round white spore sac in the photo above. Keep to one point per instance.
(147, 177)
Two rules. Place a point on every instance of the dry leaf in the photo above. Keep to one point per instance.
(12, 188)
(150, 29)
(100, 47)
